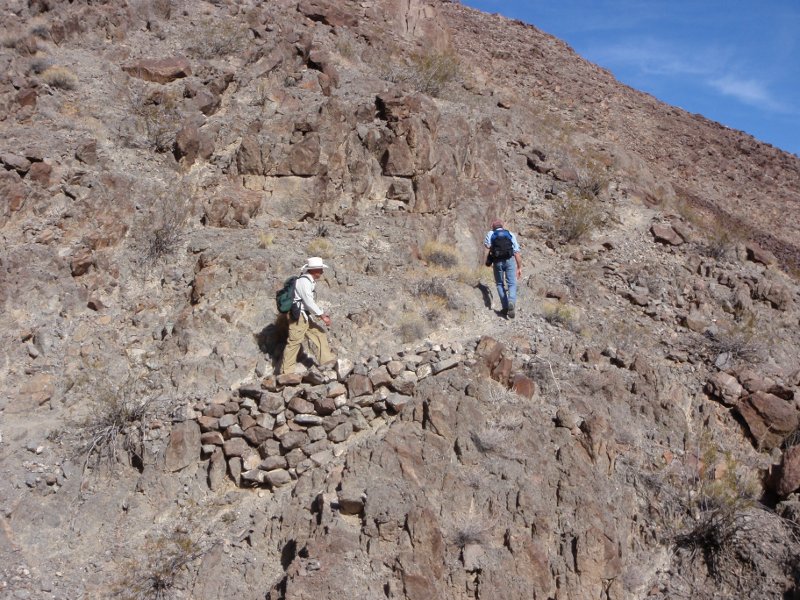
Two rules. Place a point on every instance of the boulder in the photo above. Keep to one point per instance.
(666, 234)
(161, 70)
(769, 418)
(725, 388)
(184, 446)
(327, 12)
(216, 470)
(786, 478)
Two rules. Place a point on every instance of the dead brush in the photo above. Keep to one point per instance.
(741, 341)
(470, 529)
(115, 428)
(163, 228)
(155, 575)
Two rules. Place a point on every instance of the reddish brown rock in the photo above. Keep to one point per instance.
(81, 261)
(87, 152)
(359, 385)
(40, 173)
(235, 447)
(523, 385)
(187, 144)
(666, 234)
(327, 12)
(27, 97)
(159, 70)
(786, 478)
(769, 418)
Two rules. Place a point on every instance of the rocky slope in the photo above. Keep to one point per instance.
(166, 164)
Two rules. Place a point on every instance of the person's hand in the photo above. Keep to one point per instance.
(326, 319)
(519, 272)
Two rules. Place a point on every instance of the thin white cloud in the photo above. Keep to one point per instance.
(652, 59)
(748, 91)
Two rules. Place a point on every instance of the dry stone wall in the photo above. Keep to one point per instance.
(270, 433)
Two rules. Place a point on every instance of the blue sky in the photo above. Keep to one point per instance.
(734, 61)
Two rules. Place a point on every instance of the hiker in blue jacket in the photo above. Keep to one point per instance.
(503, 255)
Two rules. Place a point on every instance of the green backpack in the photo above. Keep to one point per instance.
(284, 298)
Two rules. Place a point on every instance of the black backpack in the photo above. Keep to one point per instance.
(502, 247)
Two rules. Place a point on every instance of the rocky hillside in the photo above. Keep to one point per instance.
(166, 164)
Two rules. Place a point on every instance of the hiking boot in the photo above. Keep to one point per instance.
(511, 311)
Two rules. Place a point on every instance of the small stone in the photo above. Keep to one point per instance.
(278, 477)
(307, 420)
(445, 365)
(341, 432)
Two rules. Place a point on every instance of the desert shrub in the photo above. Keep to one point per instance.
(320, 247)
(427, 72)
(115, 427)
(470, 529)
(164, 227)
(440, 255)
(323, 230)
(740, 340)
(60, 78)
(154, 575)
(265, 239)
(575, 219)
(156, 116)
(720, 494)
(475, 277)
(40, 30)
(38, 66)
(432, 71)
(411, 328)
(560, 315)
(218, 38)
(346, 48)
(436, 293)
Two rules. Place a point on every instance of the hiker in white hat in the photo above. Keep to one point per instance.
(302, 324)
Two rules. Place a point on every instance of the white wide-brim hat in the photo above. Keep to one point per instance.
(315, 262)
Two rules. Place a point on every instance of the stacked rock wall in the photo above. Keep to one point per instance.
(269, 434)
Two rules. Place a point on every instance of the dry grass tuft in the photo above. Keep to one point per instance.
(60, 78)
(321, 247)
(439, 255)
(411, 328)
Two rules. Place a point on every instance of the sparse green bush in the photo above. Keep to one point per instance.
(432, 71)
(60, 78)
(428, 72)
(217, 38)
(265, 239)
(575, 219)
(560, 315)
